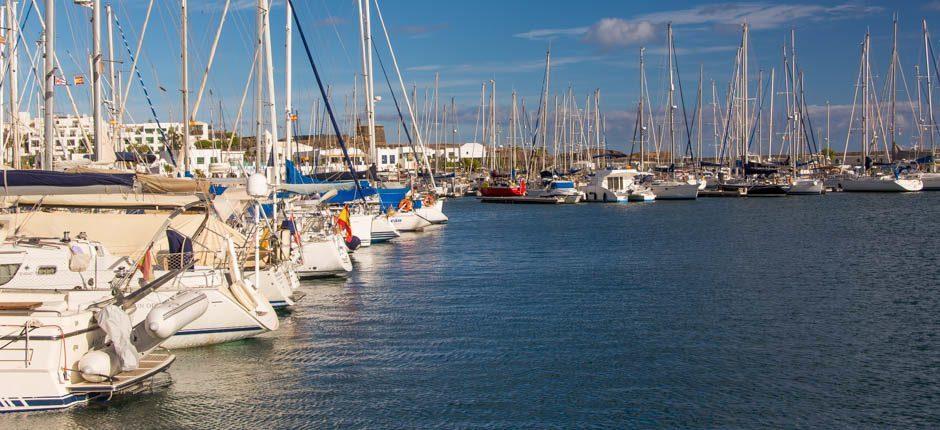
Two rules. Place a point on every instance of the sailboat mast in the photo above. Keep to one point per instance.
(365, 28)
(112, 75)
(260, 161)
(49, 89)
(272, 107)
(866, 115)
(184, 48)
(641, 124)
(930, 119)
(543, 120)
(13, 83)
(288, 82)
(670, 99)
(892, 75)
(96, 77)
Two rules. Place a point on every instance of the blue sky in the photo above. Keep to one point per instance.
(595, 44)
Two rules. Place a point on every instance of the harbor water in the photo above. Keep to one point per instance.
(819, 311)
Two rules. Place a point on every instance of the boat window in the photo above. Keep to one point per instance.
(46, 270)
(7, 271)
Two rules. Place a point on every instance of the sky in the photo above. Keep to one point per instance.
(595, 44)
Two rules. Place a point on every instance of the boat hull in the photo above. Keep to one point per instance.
(878, 185)
(383, 230)
(675, 191)
(323, 257)
(807, 187)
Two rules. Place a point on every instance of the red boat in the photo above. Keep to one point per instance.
(503, 190)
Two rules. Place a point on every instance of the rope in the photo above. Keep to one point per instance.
(143, 86)
(329, 107)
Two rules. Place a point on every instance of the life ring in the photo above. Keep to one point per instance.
(405, 205)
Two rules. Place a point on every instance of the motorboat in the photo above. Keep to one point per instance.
(616, 185)
(564, 189)
(806, 186)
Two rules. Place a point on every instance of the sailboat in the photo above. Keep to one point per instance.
(868, 179)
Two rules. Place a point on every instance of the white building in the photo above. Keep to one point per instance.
(149, 134)
(75, 133)
(209, 161)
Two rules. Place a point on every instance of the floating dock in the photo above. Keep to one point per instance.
(524, 200)
(737, 192)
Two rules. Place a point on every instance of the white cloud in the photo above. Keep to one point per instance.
(619, 32)
(552, 33)
(616, 32)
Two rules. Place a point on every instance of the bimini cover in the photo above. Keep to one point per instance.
(117, 326)
(41, 182)
(345, 192)
(391, 197)
(180, 250)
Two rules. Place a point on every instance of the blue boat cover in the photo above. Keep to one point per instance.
(23, 178)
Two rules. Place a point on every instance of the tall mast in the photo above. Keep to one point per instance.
(288, 83)
(272, 106)
(97, 134)
(770, 121)
(112, 76)
(13, 82)
(184, 40)
(543, 120)
(671, 98)
(866, 115)
(930, 119)
(698, 120)
(260, 161)
(744, 99)
(365, 30)
(892, 75)
(49, 89)
(642, 118)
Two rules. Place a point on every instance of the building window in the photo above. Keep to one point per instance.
(391, 159)
(384, 159)
(214, 159)
(200, 160)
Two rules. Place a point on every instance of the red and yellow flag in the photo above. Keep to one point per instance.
(342, 221)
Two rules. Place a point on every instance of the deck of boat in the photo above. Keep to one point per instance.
(150, 365)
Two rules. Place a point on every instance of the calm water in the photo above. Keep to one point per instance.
(732, 313)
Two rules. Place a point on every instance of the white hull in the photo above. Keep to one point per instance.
(382, 229)
(675, 190)
(807, 187)
(40, 383)
(433, 214)
(931, 181)
(362, 228)
(321, 257)
(277, 284)
(408, 221)
(596, 194)
(882, 185)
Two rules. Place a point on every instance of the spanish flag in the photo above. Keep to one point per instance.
(342, 221)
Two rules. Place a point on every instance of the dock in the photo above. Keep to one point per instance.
(524, 200)
(736, 192)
